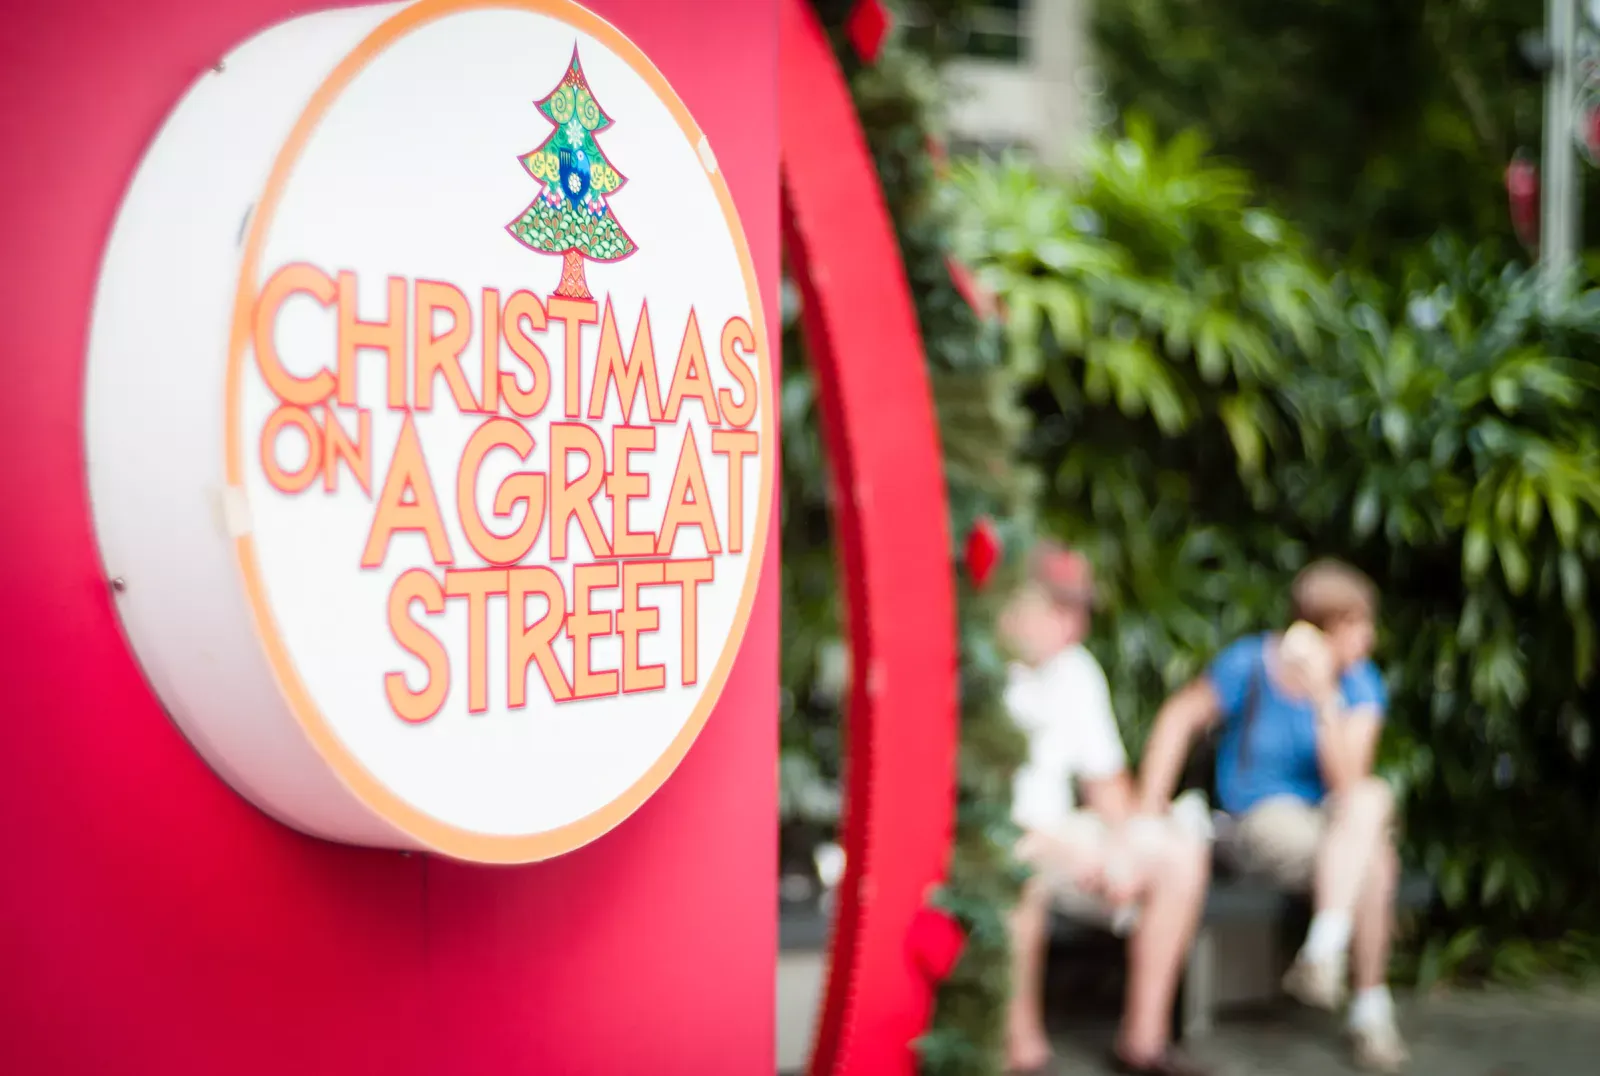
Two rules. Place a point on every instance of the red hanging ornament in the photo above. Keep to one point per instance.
(939, 156)
(936, 942)
(1522, 190)
(980, 298)
(983, 551)
(867, 27)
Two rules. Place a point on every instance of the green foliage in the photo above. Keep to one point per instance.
(562, 227)
(981, 425)
(812, 658)
(1373, 123)
(1156, 311)
(1212, 411)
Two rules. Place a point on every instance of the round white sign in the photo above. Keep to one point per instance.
(489, 458)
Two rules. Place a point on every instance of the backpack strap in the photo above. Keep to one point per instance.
(1252, 706)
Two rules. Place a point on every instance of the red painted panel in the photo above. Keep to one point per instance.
(150, 920)
(883, 446)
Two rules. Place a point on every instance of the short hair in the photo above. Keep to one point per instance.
(1328, 591)
(1062, 574)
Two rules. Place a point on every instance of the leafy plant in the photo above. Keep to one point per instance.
(812, 660)
(1373, 124)
(1470, 487)
(1157, 312)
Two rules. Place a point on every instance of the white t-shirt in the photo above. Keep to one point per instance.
(1064, 708)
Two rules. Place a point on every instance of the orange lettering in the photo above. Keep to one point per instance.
(285, 481)
(630, 372)
(623, 484)
(525, 644)
(583, 624)
(636, 620)
(290, 280)
(476, 584)
(417, 706)
(689, 504)
(575, 498)
(736, 445)
(442, 354)
(525, 305)
(408, 478)
(388, 336)
(691, 379)
(574, 314)
(491, 350)
(357, 455)
(688, 575)
(526, 488)
(738, 331)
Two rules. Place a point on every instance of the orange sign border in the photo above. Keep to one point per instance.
(436, 835)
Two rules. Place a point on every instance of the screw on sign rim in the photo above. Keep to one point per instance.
(433, 833)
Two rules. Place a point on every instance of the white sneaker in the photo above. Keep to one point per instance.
(1379, 1048)
(1319, 984)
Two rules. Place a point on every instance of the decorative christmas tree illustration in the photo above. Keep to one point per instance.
(571, 216)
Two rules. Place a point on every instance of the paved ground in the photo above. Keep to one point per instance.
(1545, 1033)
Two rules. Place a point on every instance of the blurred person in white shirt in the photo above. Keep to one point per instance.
(1101, 861)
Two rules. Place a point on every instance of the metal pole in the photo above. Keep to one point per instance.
(1558, 240)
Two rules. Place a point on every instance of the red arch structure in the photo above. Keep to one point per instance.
(891, 523)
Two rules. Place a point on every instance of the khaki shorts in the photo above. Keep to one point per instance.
(1082, 841)
(1278, 839)
(1060, 855)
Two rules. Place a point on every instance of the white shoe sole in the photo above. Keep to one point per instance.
(1377, 1059)
(1305, 984)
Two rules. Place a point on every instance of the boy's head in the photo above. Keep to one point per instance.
(1342, 603)
(1050, 612)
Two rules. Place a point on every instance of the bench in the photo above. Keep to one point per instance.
(1241, 947)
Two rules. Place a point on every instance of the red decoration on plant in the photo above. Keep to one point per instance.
(939, 156)
(983, 551)
(936, 942)
(980, 298)
(867, 27)
(1522, 188)
(1589, 125)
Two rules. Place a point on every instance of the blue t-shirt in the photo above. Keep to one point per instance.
(1282, 759)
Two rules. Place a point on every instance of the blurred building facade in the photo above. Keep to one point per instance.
(1023, 79)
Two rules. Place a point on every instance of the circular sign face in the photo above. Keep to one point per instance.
(495, 437)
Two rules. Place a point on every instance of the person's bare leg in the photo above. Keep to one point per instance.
(1374, 920)
(1357, 829)
(1061, 862)
(1376, 1037)
(1174, 894)
(1027, 1043)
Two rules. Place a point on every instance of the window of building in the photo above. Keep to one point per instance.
(993, 148)
(992, 31)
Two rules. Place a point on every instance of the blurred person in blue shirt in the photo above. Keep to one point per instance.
(1301, 713)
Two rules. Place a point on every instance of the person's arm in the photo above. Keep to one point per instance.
(1347, 736)
(1183, 718)
(1113, 798)
(1347, 742)
(1100, 761)
(1113, 876)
